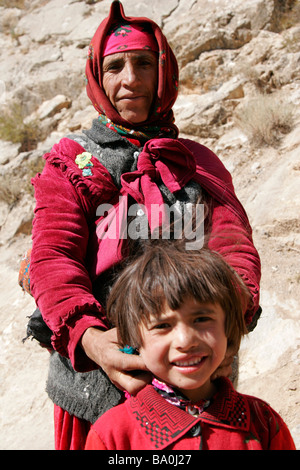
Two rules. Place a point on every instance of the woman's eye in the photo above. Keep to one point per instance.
(145, 63)
(113, 67)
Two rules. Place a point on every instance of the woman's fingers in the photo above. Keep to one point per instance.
(126, 371)
(131, 382)
(225, 368)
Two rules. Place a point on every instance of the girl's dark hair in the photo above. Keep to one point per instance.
(166, 273)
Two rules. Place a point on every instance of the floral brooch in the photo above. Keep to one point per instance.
(83, 161)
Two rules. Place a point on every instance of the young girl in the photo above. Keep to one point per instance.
(181, 310)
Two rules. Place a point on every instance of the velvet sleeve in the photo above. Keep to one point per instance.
(233, 241)
(231, 233)
(60, 282)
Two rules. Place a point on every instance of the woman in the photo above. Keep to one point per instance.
(131, 155)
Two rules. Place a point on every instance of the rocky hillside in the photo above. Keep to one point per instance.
(239, 95)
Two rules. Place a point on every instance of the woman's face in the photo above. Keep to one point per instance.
(130, 83)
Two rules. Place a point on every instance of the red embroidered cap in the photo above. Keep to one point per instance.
(129, 37)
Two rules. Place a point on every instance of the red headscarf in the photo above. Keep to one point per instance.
(167, 90)
(129, 37)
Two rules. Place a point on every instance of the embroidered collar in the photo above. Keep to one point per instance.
(164, 423)
(174, 397)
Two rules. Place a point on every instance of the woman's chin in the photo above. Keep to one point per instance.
(134, 117)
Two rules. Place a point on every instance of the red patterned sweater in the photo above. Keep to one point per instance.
(233, 421)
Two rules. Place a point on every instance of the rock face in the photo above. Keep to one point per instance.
(230, 53)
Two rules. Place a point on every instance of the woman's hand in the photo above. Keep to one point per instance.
(225, 368)
(126, 371)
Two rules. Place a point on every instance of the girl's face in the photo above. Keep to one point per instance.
(184, 347)
(130, 83)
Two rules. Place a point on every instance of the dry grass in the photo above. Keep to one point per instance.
(13, 185)
(10, 191)
(15, 130)
(290, 15)
(12, 4)
(265, 119)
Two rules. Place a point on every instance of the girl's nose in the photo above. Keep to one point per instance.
(185, 338)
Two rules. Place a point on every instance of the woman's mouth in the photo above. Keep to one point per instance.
(130, 97)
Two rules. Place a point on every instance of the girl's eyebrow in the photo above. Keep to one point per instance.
(158, 318)
(198, 311)
(204, 311)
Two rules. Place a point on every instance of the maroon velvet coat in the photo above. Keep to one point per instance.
(67, 254)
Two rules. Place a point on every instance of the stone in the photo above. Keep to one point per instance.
(196, 114)
(51, 107)
(51, 20)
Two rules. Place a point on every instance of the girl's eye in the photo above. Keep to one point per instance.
(202, 319)
(161, 326)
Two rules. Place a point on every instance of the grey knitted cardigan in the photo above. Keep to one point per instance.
(88, 395)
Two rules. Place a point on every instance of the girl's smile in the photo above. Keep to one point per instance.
(189, 365)
(184, 347)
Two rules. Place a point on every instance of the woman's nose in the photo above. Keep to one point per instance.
(129, 74)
